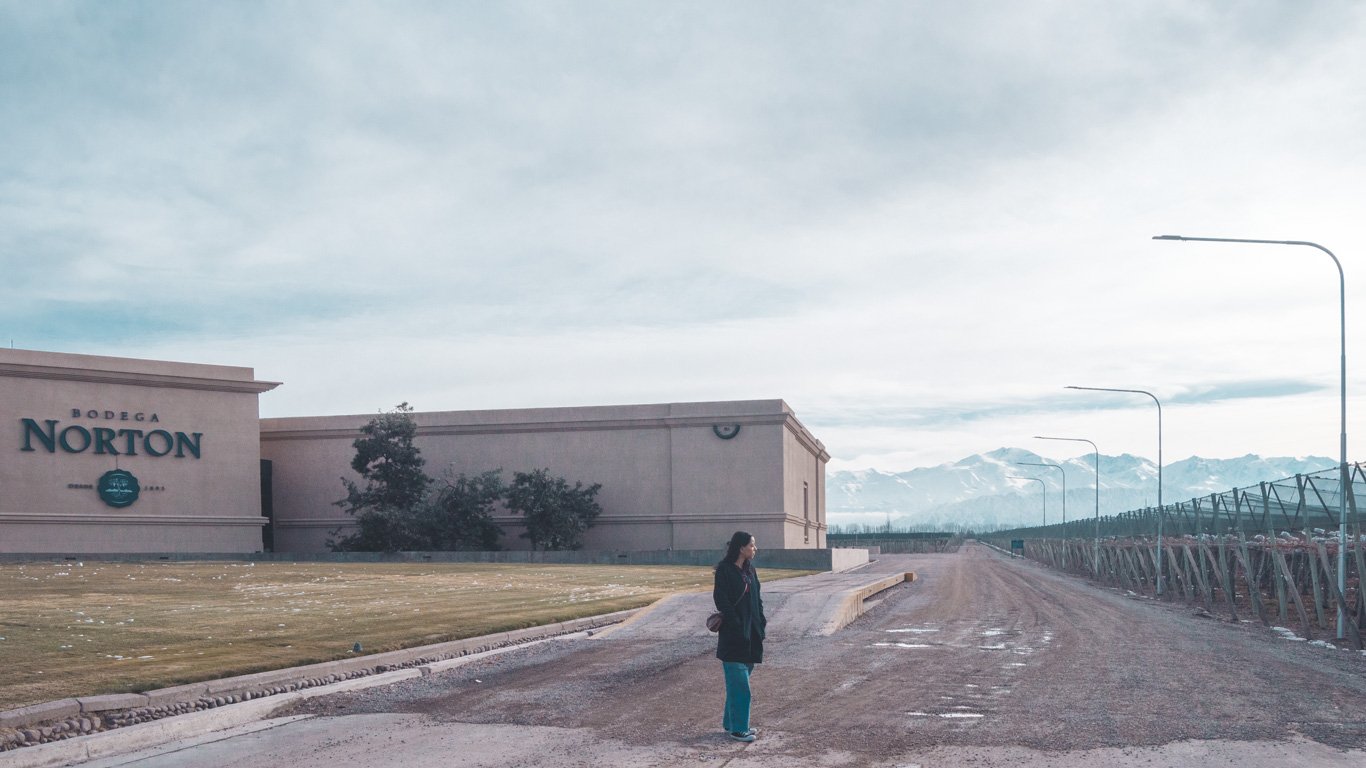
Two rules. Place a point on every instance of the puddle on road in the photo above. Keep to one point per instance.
(847, 684)
(1008, 640)
(961, 714)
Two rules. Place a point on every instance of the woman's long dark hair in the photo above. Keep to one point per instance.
(738, 541)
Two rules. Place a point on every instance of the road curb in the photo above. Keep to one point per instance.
(143, 735)
(851, 601)
(643, 613)
(262, 690)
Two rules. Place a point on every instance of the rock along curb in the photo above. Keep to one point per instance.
(63, 731)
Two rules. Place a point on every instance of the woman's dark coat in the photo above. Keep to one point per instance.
(742, 630)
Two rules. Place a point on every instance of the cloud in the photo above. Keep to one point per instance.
(914, 222)
(1248, 390)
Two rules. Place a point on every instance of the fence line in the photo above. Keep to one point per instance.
(1306, 502)
(1263, 576)
(899, 543)
(1263, 550)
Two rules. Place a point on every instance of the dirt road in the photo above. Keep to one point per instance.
(985, 660)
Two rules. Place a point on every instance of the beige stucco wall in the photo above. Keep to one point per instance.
(668, 481)
(48, 503)
(804, 491)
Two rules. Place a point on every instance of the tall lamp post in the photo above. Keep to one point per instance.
(1096, 556)
(1064, 482)
(1043, 489)
(1342, 380)
(1159, 467)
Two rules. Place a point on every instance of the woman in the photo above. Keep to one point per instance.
(740, 643)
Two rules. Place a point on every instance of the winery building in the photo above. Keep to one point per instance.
(116, 455)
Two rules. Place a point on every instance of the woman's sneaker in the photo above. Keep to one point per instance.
(745, 736)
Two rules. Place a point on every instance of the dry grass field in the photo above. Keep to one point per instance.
(73, 628)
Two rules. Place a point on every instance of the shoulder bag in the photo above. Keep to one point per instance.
(716, 617)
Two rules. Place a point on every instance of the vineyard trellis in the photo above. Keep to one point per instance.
(1264, 550)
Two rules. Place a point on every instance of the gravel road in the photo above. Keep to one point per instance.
(984, 660)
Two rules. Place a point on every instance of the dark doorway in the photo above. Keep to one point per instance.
(267, 509)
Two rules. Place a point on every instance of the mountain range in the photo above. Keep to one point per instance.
(979, 491)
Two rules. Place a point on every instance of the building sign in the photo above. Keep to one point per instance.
(76, 438)
(117, 488)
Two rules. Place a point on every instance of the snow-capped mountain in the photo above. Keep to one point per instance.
(979, 492)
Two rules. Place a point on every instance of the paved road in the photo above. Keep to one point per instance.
(983, 661)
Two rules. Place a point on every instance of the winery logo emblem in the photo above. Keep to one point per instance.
(118, 488)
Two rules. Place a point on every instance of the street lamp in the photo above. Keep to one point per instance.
(1096, 556)
(1064, 482)
(1043, 488)
(1159, 467)
(1342, 380)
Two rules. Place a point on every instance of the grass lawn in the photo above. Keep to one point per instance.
(77, 629)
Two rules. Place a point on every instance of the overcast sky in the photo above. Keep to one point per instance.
(913, 221)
